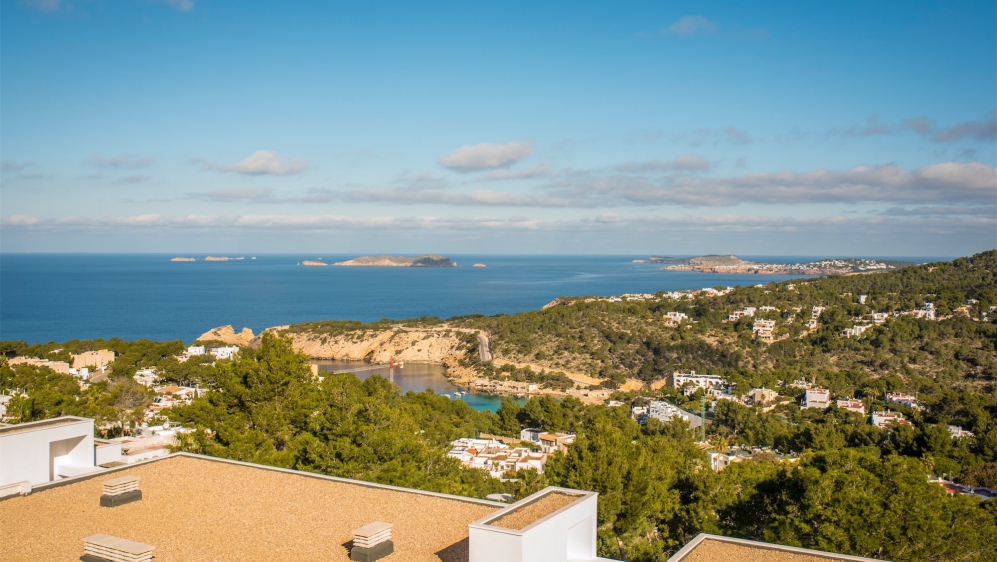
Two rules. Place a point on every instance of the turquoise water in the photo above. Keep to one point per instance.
(419, 377)
(46, 297)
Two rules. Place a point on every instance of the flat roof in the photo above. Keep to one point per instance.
(530, 511)
(200, 508)
(521, 516)
(31, 426)
(710, 548)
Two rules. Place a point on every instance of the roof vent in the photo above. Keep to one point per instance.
(105, 548)
(372, 542)
(120, 491)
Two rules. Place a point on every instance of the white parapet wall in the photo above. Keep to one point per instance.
(43, 451)
(553, 525)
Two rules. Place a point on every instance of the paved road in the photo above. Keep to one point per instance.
(484, 348)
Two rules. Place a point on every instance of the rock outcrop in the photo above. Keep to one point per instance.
(228, 335)
(417, 346)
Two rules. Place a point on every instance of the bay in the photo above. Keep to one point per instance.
(417, 377)
(57, 297)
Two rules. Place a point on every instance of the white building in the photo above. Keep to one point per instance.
(738, 314)
(691, 381)
(852, 405)
(855, 331)
(568, 534)
(815, 317)
(957, 432)
(224, 352)
(661, 410)
(675, 318)
(883, 419)
(879, 318)
(146, 377)
(196, 350)
(495, 457)
(817, 398)
(902, 399)
(531, 434)
(43, 451)
(764, 330)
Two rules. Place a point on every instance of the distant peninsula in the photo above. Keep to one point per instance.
(734, 264)
(178, 258)
(399, 261)
(314, 263)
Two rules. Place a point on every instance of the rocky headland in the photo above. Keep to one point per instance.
(398, 261)
(314, 263)
(735, 265)
(228, 335)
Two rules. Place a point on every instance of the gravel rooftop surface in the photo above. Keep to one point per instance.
(195, 509)
(531, 513)
(712, 551)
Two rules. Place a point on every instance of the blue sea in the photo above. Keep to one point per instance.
(46, 297)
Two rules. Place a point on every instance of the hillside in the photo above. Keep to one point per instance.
(600, 337)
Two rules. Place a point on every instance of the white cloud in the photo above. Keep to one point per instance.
(863, 229)
(478, 197)
(486, 156)
(689, 26)
(972, 183)
(21, 220)
(16, 166)
(715, 137)
(686, 162)
(982, 130)
(121, 161)
(132, 179)
(540, 170)
(261, 163)
(231, 195)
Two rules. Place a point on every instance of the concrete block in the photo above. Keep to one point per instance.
(376, 552)
(120, 499)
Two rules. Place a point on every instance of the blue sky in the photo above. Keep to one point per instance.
(640, 127)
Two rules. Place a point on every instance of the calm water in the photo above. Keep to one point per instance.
(419, 377)
(46, 297)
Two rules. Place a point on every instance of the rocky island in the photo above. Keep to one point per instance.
(399, 261)
(221, 258)
(183, 259)
(734, 264)
(314, 263)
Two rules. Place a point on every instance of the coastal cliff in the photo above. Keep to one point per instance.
(378, 346)
(398, 261)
